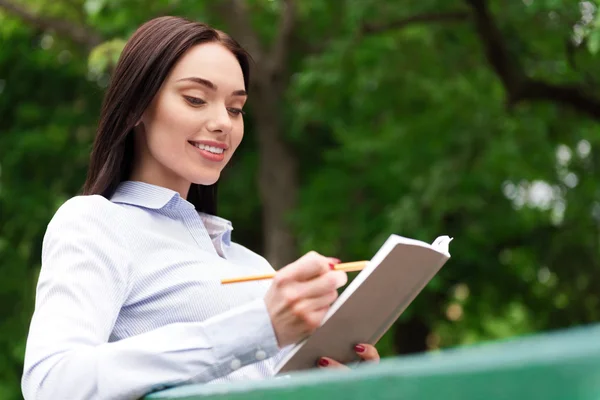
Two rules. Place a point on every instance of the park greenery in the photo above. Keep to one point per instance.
(473, 118)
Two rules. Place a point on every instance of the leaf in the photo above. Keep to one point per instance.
(93, 7)
(593, 41)
(105, 56)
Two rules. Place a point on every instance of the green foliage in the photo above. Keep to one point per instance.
(47, 115)
(105, 56)
(406, 131)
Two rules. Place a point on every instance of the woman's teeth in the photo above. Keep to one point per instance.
(212, 149)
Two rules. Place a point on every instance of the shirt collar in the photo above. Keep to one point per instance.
(217, 227)
(155, 197)
(146, 195)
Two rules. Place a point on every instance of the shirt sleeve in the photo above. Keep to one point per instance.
(84, 281)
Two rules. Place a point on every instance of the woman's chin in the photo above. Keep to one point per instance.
(206, 180)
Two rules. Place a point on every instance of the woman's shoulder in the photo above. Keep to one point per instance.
(86, 209)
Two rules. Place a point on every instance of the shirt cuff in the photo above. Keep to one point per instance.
(242, 336)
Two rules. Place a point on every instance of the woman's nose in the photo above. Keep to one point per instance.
(219, 120)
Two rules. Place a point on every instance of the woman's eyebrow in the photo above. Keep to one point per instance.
(210, 85)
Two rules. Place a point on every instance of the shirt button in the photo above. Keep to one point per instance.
(261, 355)
(235, 364)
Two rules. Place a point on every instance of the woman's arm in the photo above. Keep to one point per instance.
(84, 281)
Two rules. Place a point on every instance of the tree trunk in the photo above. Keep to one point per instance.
(277, 175)
(278, 171)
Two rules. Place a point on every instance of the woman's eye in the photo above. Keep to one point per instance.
(236, 111)
(195, 101)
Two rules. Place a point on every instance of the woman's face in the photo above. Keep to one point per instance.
(194, 124)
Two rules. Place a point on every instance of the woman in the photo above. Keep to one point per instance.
(129, 298)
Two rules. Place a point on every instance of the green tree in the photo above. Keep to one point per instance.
(472, 118)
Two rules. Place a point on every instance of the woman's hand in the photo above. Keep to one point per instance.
(365, 351)
(300, 296)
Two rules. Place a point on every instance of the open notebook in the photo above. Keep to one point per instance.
(371, 302)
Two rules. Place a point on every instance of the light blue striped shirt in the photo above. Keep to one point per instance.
(129, 300)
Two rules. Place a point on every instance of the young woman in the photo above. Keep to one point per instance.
(129, 296)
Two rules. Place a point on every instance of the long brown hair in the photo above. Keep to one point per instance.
(145, 62)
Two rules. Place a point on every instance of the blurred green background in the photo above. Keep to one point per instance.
(477, 119)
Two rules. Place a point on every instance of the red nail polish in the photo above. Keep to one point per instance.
(359, 348)
(323, 362)
(331, 266)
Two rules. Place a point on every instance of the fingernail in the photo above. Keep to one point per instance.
(331, 266)
(323, 362)
(359, 348)
(337, 260)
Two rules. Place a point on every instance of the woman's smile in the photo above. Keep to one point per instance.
(210, 150)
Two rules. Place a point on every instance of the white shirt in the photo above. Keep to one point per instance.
(129, 300)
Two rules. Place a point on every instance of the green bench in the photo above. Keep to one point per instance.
(558, 365)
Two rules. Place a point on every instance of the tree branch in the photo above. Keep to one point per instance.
(77, 33)
(378, 28)
(570, 96)
(519, 87)
(454, 16)
(278, 56)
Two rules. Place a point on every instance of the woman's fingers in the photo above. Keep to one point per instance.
(315, 305)
(326, 362)
(323, 285)
(300, 295)
(307, 267)
(367, 352)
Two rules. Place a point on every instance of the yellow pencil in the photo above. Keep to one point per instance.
(346, 267)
